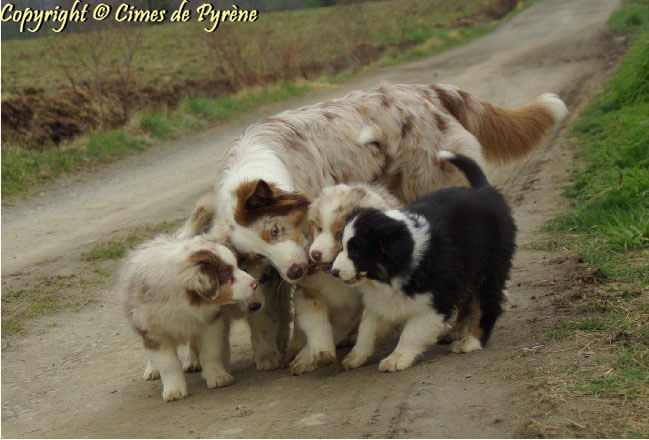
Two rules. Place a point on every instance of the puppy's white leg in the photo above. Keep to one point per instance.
(171, 372)
(151, 372)
(213, 349)
(370, 327)
(419, 332)
(312, 316)
(191, 363)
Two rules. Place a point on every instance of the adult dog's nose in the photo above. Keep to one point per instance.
(316, 255)
(335, 273)
(295, 271)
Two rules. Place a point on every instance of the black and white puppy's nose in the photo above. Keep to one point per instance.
(335, 273)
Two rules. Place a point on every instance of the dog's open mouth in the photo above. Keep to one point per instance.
(326, 268)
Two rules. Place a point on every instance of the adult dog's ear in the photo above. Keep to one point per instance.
(260, 197)
(203, 284)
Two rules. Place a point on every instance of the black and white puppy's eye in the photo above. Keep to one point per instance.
(274, 233)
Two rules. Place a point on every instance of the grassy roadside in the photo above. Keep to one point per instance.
(72, 287)
(26, 168)
(596, 363)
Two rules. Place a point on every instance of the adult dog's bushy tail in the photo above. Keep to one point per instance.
(505, 134)
(469, 168)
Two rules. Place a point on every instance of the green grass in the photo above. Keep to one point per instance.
(608, 226)
(314, 34)
(117, 248)
(163, 59)
(26, 168)
(610, 217)
(26, 299)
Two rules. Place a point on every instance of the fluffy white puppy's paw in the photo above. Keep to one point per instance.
(270, 360)
(466, 345)
(395, 361)
(151, 372)
(218, 380)
(174, 393)
(190, 366)
(354, 360)
(309, 360)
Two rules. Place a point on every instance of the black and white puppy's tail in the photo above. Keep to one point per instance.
(468, 166)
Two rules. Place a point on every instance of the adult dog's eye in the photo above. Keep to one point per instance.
(274, 233)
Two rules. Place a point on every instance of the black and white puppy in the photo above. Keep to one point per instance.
(442, 261)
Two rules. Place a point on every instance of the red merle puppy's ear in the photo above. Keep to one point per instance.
(204, 284)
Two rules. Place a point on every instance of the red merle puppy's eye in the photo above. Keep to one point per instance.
(225, 275)
(274, 233)
(339, 235)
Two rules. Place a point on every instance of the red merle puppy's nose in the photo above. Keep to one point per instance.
(295, 271)
(316, 255)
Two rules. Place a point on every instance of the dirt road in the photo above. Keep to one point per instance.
(82, 377)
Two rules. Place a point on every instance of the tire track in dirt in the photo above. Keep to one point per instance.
(83, 376)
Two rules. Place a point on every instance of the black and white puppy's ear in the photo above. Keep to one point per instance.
(204, 281)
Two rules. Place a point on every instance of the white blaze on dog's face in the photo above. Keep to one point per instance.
(343, 266)
(215, 278)
(328, 214)
(268, 222)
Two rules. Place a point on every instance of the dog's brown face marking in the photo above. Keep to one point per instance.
(257, 199)
(287, 227)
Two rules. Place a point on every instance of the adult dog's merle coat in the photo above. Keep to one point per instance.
(443, 260)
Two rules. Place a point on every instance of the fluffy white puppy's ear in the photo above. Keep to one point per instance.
(203, 281)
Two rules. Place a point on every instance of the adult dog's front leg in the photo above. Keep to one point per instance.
(312, 316)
